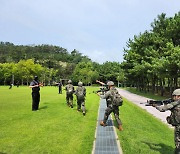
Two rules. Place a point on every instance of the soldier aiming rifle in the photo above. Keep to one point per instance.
(174, 118)
(155, 103)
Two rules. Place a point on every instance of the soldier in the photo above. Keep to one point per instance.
(35, 85)
(60, 87)
(111, 107)
(174, 118)
(81, 94)
(69, 93)
(106, 88)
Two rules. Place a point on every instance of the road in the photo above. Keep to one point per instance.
(136, 99)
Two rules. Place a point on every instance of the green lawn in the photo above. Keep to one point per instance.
(143, 133)
(55, 128)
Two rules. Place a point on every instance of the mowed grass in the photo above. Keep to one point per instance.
(55, 128)
(143, 133)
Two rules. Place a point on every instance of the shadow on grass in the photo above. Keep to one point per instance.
(43, 107)
(160, 147)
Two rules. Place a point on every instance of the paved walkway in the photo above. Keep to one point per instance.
(136, 99)
(106, 140)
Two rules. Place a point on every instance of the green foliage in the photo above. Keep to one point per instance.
(85, 72)
(152, 58)
(57, 61)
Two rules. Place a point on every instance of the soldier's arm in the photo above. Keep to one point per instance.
(32, 85)
(102, 83)
(168, 106)
(106, 95)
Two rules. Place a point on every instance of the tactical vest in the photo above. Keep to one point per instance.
(174, 118)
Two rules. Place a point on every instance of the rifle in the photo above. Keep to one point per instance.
(102, 90)
(155, 103)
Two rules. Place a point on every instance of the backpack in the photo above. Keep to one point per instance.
(116, 98)
(70, 89)
(80, 93)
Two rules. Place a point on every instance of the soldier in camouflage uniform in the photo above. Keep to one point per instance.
(81, 94)
(110, 107)
(69, 93)
(174, 118)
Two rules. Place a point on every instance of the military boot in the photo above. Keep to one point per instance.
(120, 128)
(102, 123)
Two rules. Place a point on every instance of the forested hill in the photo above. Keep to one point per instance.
(46, 55)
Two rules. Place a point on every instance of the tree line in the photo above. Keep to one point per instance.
(152, 59)
(51, 64)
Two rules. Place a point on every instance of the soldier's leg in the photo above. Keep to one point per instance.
(116, 115)
(67, 99)
(177, 139)
(83, 107)
(78, 104)
(107, 113)
(71, 101)
(33, 102)
(38, 100)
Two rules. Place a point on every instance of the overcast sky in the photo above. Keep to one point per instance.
(96, 28)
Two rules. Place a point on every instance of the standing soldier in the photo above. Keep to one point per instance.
(69, 93)
(60, 87)
(81, 94)
(35, 85)
(111, 106)
(174, 118)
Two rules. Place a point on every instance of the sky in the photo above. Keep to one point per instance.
(98, 29)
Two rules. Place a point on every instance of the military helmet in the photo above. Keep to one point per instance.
(35, 77)
(69, 81)
(110, 83)
(176, 92)
(80, 83)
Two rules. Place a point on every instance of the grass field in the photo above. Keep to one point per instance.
(144, 133)
(56, 128)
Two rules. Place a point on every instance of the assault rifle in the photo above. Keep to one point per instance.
(102, 90)
(158, 102)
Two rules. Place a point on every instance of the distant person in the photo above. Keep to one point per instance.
(11, 85)
(17, 84)
(69, 93)
(35, 85)
(60, 87)
(112, 106)
(81, 94)
(174, 118)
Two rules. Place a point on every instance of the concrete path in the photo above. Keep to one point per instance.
(136, 99)
(106, 140)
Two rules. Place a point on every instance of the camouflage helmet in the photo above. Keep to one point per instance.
(69, 81)
(176, 92)
(80, 83)
(110, 83)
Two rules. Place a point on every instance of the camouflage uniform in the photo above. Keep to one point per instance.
(69, 95)
(81, 101)
(111, 108)
(174, 118)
